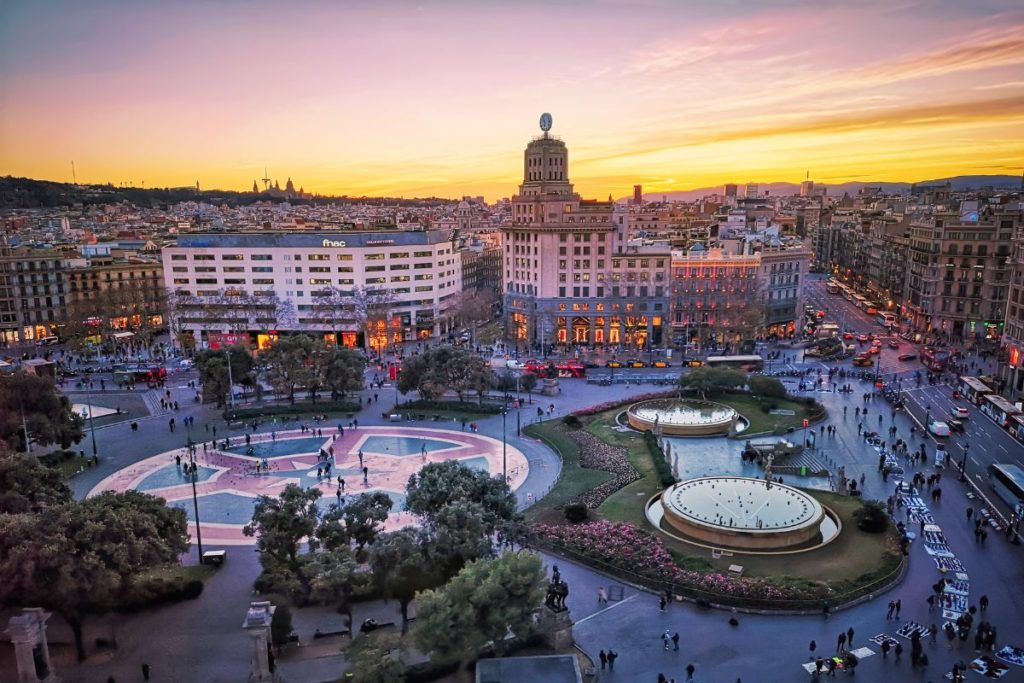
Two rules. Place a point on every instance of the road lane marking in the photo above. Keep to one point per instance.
(610, 607)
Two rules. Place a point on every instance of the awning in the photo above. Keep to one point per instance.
(121, 336)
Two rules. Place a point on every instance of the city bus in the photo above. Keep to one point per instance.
(860, 301)
(973, 389)
(832, 287)
(565, 369)
(886, 319)
(748, 363)
(934, 359)
(998, 408)
(1007, 480)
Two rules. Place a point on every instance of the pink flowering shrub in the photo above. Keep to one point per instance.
(624, 547)
(601, 407)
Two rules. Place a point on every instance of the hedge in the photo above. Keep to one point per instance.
(57, 457)
(486, 408)
(159, 590)
(272, 409)
(661, 466)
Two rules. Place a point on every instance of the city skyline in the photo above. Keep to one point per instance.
(404, 100)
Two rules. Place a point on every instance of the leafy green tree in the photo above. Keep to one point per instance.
(436, 371)
(28, 486)
(527, 383)
(712, 381)
(47, 413)
(290, 365)
(766, 386)
(438, 485)
(335, 577)
(280, 523)
(481, 605)
(82, 557)
(357, 522)
(344, 370)
(403, 564)
(376, 658)
(213, 370)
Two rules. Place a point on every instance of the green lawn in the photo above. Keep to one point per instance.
(574, 479)
(750, 407)
(626, 504)
(72, 466)
(853, 559)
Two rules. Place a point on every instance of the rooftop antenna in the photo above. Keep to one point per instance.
(74, 178)
(266, 179)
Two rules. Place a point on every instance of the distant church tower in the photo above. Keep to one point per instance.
(289, 187)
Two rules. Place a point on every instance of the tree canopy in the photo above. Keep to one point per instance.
(481, 605)
(47, 413)
(213, 370)
(28, 486)
(439, 485)
(713, 381)
(445, 368)
(77, 557)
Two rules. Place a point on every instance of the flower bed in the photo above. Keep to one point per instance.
(624, 548)
(595, 454)
(602, 407)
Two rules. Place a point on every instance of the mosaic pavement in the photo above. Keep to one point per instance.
(228, 483)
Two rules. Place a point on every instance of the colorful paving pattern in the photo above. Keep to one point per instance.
(228, 483)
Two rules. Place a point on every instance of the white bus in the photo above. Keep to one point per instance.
(1007, 480)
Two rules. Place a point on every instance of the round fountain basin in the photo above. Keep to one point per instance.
(682, 417)
(743, 513)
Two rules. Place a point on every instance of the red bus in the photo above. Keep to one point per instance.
(564, 369)
(935, 360)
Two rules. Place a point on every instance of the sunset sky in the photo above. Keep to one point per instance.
(439, 98)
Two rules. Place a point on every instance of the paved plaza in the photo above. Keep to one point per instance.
(760, 648)
(230, 477)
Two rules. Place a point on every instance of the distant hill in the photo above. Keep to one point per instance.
(26, 193)
(959, 183)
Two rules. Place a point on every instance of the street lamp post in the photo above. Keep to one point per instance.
(92, 425)
(231, 381)
(519, 405)
(195, 501)
(504, 445)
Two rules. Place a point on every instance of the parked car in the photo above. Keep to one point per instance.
(613, 364)
(634, 363)
(959, 412)
(908, 356)
(863, 362)
(660, 364)
(893, 344)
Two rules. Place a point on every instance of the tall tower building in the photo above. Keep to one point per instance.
(731, 190)
(561, 263)
(752, 191)
(638, 194)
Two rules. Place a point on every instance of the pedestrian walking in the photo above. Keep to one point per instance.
(661, 603)
(899, 605)
(675, 641)
(690, 668)
(812, 647)
(849, 636)
(841, 643)
(885, 648)
(892, 608)
(604, 659)
(665, 638)
(983, 603)
(145, 671)
(898, 650)
(602, 595)
(612, 656)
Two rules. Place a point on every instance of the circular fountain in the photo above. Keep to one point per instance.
(742, 513)
(683, 417)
